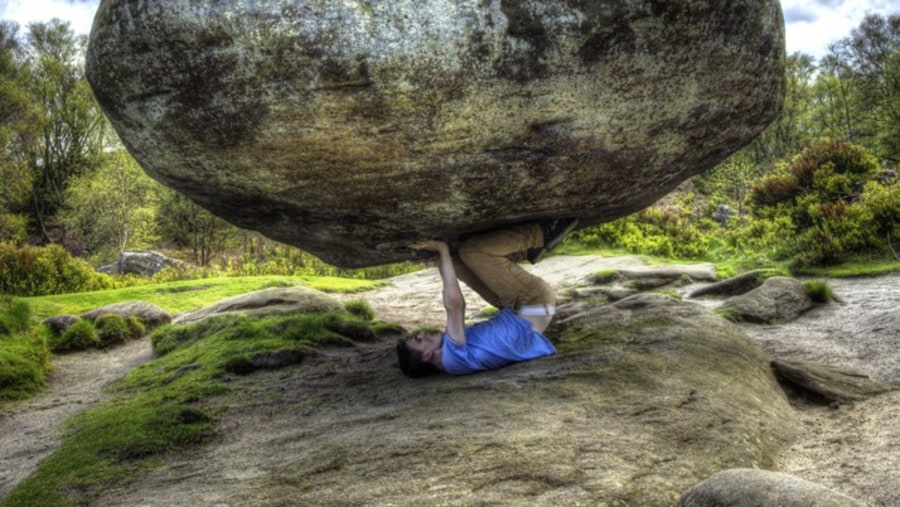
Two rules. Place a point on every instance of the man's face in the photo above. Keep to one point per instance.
(426, 342)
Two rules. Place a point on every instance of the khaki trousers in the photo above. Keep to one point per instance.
(484, 265)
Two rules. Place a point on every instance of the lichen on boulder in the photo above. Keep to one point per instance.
(351, 129)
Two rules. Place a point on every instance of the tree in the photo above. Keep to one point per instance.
(70, 127)
(111, 210)
(16, 118)
(186, 225)
(786, 134)
(869, 61)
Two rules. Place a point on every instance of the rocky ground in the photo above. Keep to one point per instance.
(854, 449)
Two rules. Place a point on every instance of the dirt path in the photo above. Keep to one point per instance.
(854, 449)
(31, 430)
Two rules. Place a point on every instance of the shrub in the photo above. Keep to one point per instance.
(136, 327)
(15, 315)
(41, 271)
(361, 309)
(111, 329)
(819, 291)
(79, 336)
(822, 193)
(19, 375)
(653, 231)
(773, 189)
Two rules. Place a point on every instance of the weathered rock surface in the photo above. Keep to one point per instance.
(273, 301)
(839, 385)
(57, 324)
(778, 299)
(733, 286)
(352, 128)
(646, 398)
(758, 488)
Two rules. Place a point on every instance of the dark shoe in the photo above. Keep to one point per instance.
(554, 232)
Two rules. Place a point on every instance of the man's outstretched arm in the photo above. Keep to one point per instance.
(454, 303)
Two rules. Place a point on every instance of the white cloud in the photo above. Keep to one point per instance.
(79, 13)
(811, 25)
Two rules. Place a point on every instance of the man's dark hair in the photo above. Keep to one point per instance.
(411, 362)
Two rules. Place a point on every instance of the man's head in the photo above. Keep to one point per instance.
(419, 354)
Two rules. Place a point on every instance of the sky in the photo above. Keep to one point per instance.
(810, 25)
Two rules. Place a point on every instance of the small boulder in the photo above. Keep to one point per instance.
(779, 299)
(838, 385)
(151, 315)
(261, 303)
(748, 487)
(733, 286)
(143, 263)
(59, 323)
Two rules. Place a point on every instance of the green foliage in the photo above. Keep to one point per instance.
(653, 231)
(819, 291)
(820, 192)
(867, 65)
(79, 336)
(22, 369)
(71, 130)
(15, 316)
(112, 329)
(24, 357)
(111, 210)
(35, 271)
(136, 327)
(184, 224)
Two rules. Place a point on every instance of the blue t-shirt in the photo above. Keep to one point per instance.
(505, 338)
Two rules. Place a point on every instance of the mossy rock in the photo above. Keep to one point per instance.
(645, 398)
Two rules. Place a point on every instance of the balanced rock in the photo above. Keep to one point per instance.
(352, 128)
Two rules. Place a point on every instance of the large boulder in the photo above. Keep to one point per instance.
(352, 128)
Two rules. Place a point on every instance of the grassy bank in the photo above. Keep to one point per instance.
(24, 355)
(165, 406)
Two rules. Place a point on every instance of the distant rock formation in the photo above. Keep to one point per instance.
(142, 263)
(351, 129)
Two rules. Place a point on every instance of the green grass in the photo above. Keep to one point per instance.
(185, 295)
(24, 362)
(819, 291)
(163, 406)
(24, 355)
(853, 268)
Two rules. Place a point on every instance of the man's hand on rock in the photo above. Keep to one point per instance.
(431, 245)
